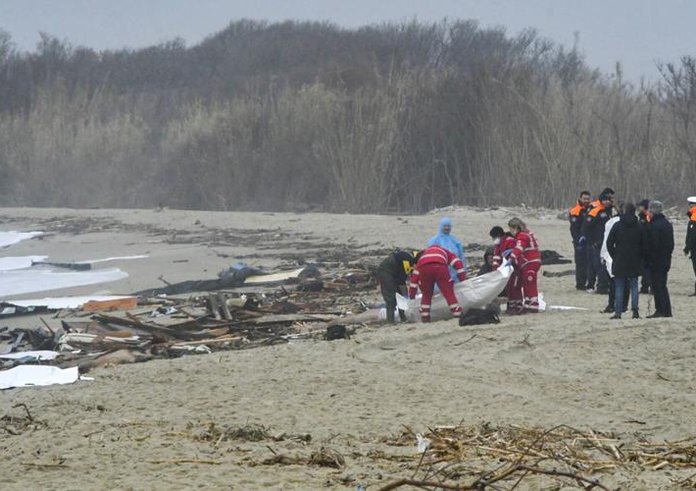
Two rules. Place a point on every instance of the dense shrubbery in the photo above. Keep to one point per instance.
(307, 115)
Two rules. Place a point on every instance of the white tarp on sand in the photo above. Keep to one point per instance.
(10, 238)
(29, 281)
(33, 375)
(475, 292)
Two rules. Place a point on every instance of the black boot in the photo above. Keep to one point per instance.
(635, 315)
(616, 316)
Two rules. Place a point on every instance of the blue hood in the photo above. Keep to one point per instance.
(448, 241)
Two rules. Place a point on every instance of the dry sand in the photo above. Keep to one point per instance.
(131, 427)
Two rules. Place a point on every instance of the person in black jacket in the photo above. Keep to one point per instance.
(592, 235)
(661, 246)
(626, 243)
(644, 219)
(576, 217)
(392, 274)
(690, 245)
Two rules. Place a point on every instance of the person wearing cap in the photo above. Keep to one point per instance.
(660, 248)
(593, 233)
(644, 219)
(445, 239)
(576, 217)
(392, 274)
(690, 246)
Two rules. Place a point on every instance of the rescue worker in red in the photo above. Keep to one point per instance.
(523, 295)
(502, 242)
(576, 217)
(690, 246)
(432, 267)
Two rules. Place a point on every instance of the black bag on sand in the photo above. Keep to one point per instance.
(488, 315)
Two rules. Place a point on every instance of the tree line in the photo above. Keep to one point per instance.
(306, 115)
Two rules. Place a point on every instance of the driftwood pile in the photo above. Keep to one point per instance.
(501, 457)
(164, 327)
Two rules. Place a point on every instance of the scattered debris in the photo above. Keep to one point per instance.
(486, 456)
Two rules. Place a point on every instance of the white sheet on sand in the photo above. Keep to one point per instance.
(55, 303)
(29, 281)
(10, 238)
(476, 292)
(36, 375)
(19, 262)
(41, 355)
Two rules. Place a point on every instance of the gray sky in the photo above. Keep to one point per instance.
(635, 32)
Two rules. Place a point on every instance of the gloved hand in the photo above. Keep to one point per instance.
(686, 251)
(506, 253)
(582, 242)
(461, 276)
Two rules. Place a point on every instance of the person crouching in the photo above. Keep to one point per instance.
(432, 267)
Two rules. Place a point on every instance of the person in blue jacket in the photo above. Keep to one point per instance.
(445, 239)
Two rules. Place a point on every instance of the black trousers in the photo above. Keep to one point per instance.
(389, 288)
(693, 263)
(645, 282)
(591, 272)
(580, 266)
(658, 275)
(600, 269)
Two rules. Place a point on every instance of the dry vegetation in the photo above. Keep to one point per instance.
(308, 115)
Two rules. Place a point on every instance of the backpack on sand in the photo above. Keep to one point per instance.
(488, 315)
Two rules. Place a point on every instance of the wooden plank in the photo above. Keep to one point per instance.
(273, 278)
(119, 304)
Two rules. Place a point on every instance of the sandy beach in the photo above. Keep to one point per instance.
(148, 425)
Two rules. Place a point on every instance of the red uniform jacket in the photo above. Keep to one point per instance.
(507, 241)
(435, 255)
(526, 249)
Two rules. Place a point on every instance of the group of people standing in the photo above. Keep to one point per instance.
(615, 244)
(443, 263)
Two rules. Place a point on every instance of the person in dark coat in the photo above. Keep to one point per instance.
(576, 217)
(661, 246)
(592, 235)
(644, 219)
(627, 243)
(487, 262)
(690, 244)
(392, 274)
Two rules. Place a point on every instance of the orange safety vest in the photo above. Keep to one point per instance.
(596, 210)
(576, 210)
(692, 213)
